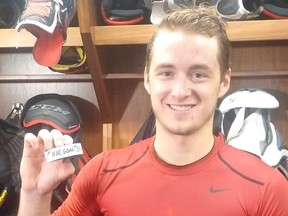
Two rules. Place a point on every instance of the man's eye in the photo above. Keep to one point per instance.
(197, 75)
(166, 73)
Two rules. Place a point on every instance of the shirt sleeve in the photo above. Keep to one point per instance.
(275, 196)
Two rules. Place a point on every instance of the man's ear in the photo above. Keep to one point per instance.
(225, 83)
(146, 81)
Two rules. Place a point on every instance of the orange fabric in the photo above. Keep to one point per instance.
(47, 48)
(134, 181)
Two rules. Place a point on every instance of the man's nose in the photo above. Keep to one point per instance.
(181, 87)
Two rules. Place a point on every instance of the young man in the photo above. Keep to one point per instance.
(182, 170)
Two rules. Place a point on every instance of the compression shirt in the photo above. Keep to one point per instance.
(133, 181)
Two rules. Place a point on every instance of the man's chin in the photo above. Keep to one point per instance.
(180, 131)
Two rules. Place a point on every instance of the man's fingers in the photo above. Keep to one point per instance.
(31, 143)
(51, 144)
(68, 140)
(45, 138)
(58, 138)
(49, 139)
(30, 140)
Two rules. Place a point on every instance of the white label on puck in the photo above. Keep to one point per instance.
(63, 152)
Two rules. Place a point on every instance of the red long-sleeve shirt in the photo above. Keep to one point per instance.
(133, 181)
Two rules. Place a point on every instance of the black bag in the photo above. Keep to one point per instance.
(9, 197)
(44, 111)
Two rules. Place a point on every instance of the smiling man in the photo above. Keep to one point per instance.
(185, 82)
(184, 169)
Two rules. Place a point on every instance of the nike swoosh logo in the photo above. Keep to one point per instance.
(216, 190)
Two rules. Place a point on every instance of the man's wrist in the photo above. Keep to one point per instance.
(41, 201)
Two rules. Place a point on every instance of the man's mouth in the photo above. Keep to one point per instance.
(180, 107)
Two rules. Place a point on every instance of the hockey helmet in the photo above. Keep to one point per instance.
(246, 124)
(238, 9)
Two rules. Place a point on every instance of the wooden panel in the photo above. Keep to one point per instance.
(107, 136)
(45, 77)
(130, 34)
(122, 59)
(97, 78)
(256, 30)
(27, 70)
(87, 18)
(131, 106)
(260, 56)
(10, 38)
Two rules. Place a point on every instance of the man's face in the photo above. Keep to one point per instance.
(184, 82)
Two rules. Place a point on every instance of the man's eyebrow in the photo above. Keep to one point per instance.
(199, 66)
(165, 65)
(192, 67)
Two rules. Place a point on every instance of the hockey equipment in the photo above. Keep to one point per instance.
(122, 12)
(161, 8)
(14, 115)
(246, 125)
(54, 110)
(275, 9)
(8, 192)
(73, 60)
(7, 132)
(238, 9)
(49, 111)
(47, 20)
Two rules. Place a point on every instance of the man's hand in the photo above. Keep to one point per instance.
(37, 175)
